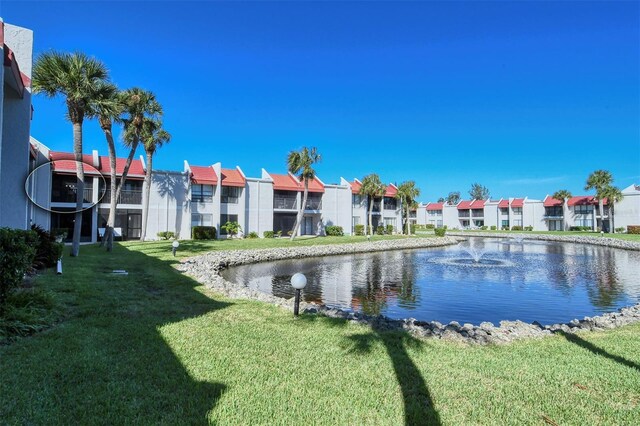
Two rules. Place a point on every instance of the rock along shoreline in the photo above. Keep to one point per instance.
(206, 269)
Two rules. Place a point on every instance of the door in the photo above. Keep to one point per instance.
(308, 226)
(134, 225)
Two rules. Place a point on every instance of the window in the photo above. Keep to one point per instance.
(230, 194)
(224, 218)
(505, 224)
(434, 212)
(583, 209)
(553, 211)
(198, 219)
(357, 200)
(390, 203)
(504, 210)
(201, 193)
(584, 222)
(517, 211)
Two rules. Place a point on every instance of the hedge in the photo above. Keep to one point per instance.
(359, 229)
(633, 229)
(440, 232)
(203, 232)
(252, 235)
(166, 235)
(267, 234)
(48, 251)
(17, 252)
(334, 231)
(516, 228)
(580, 228)
(380, 230)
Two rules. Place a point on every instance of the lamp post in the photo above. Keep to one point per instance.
(298, 281)
(174, 247)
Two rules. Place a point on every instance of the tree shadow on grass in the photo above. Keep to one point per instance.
(575, 339)
(111, 360)
(417, 400)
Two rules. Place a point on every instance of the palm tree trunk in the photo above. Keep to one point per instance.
(301, 210)
(601, 207)
(372, 200)
(611, 221)
(564, 215)
(77, 150)
(408, 224)
(147, 193)
(108, 232)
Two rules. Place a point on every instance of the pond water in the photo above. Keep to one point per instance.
(480, 280)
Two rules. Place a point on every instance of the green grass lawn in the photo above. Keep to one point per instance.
(629, 237)
(155, 347)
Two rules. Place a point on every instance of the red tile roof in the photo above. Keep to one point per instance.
(285, 182)
(315, 186)
(355, 186)
(203, 175)
(232, 177)
(464, 205)
(584, 199)
(391, 191)
(503, 204)
(551, 202)
(64, 162)
(135, 170)
(477, 204)
(435, 206)
(517, 202)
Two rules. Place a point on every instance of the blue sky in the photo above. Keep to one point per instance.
(522, 97)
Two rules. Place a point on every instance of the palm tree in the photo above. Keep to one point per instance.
(453, 198)
(408, 192)
(301, 163)
(108, 107)
(373, 188)
(152, 136)
(613, 196)
(564, 195)
(77, 77)
(599, 180)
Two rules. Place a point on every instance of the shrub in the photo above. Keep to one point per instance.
(279, 233)
(289, 233)
(48, 251)
(203, 232)
(580, 228)
(493, 227)
(422, 227)
(440, 232)
(528, 228)
(633, 229)
(516, 228)
(380, 230)
(412, 229)
(334, 231)
(268, 234)
(232, 228)
(389, 229)
(620, 229)
(359, 229)
(430, 226)
(60, 233)
(17, 251)
(166, 235)
(484, 227)
(252, 235)
(505, 228)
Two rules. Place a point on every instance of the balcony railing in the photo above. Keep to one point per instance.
(229, 200)
(127, 196)
(69, 195)
(289, 203)
(390, 206)
(463, 214)
(477, 214)
(314, 204)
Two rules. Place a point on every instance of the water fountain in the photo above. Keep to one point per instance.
(476, 254)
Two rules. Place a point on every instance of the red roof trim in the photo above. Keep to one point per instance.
(135, 170)
(551, 202)
(584, 200)
(464, 205)
(10, 61)
(315, 185)
(391, 191)
(434, 206)
(232, 177)
(285, 183)
(517, 202)
(477, 204)
(355, 186)
(503, 204)
(203, 175)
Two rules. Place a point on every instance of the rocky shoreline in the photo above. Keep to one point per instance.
(206, 269)
(578, 239)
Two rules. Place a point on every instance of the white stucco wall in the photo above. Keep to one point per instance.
(169, 206)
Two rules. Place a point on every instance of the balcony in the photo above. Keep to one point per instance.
(127, 196)
(388, 206)
(463, 213)
(314, 204)
(68, 195)
(285, 203)
(477, 213)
